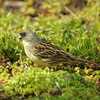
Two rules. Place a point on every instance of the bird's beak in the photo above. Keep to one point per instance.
(20, 37)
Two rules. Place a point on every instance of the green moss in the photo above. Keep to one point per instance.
(35, 81)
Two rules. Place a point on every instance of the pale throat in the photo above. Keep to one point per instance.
(28, 46)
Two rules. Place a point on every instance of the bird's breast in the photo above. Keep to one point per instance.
(29, 51)
(30, 54)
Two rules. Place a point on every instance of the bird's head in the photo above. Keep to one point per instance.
(28, 36)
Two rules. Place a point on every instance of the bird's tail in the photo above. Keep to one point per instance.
(93, 65)
(87, 63)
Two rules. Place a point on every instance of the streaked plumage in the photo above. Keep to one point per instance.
(39, 50)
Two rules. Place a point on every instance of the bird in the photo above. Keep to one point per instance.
(39, 50)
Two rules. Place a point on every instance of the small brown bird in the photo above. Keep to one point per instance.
(39, 50)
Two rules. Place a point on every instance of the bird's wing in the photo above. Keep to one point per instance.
(52, 53)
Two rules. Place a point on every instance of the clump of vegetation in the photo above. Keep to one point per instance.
(39, 82)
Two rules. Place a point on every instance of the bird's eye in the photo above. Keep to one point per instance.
(22, 34)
